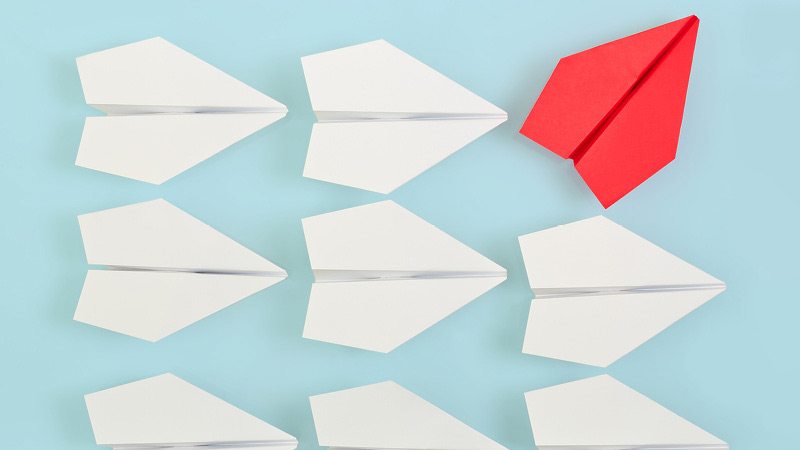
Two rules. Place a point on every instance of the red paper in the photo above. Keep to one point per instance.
(616, 109)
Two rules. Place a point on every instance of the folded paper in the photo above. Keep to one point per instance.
(616, 109)
(383, 275)
(388, 416)
(166, 412)
(601, 291)
(384, 117)
(165, 270)
(167, 110)
(601, 413)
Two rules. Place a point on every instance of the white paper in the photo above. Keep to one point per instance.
(385, 117)
(167, 412)
(155, 147)
(166, 270)
(603, 414)
(601, 291)
(167, 110)
(383, 275)
(388, 416)
(151, 305)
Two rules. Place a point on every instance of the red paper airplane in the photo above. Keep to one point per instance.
(616, 109)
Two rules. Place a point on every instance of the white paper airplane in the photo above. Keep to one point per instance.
(167, 110)
(384, 117)
(383, 275)
(603, 414)
(601, 291)
(166, 270)
(388, 416)
(167, 412)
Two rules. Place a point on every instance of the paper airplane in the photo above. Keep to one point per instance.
(384, 117)
(601, 291)
(167, 412)
(383, 275)
(166, 270)
(167, 110)
(388, 416)
(603, 414)
(616, 109)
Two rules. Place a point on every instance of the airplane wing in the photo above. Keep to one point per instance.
(167, 412)
(383, 275)
(165, 270)
(616, 109)
(601, 291)
(386, 415)
(602, 413)
(167, 110)
(384, 117)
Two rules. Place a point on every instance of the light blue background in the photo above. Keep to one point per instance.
(728, 204)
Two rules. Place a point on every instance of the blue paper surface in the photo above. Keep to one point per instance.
(728, 204)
